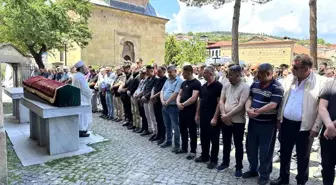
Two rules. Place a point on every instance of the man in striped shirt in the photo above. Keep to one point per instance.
(262, 108)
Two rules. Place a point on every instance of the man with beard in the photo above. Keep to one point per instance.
(187, 103)
(207, 114)
(78, 80)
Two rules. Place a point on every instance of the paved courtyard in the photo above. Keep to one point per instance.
(127, 159)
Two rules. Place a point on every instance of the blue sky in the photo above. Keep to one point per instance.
(165, 8)
(279, 17)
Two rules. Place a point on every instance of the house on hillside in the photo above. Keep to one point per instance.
(204, 38)
(182, 37)
(121, 30)
(263, 49)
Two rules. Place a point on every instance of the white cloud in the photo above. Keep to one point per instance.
(278, 17)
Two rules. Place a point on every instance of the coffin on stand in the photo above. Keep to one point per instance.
(56, 93)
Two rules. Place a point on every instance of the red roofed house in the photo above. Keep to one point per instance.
(263, 49)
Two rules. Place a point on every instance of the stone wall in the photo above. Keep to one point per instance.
(73, 55)
(275, 54)
(3, 149)
(111, 28)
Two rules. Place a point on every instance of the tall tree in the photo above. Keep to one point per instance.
(313, 31)
(172, 49)
(193, 52)
(38, 26)
(235, 19)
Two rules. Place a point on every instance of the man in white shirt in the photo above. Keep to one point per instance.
(298, 118)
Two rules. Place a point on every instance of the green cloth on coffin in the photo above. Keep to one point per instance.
(67, 96)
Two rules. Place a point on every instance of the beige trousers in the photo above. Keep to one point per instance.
(150, 115)
(119, 108)
(135, 112)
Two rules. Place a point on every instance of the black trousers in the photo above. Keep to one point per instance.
(290, 136)
(188, 127)
(126, 100)
(328, 155)
(159, 120)
(144, 123)
(209, 135)
(237, 130)
(103, 102)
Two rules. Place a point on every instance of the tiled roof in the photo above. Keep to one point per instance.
(266, 42)
(147, 10)
(220, 44)
(298, 49)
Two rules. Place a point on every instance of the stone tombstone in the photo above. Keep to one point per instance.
(3, 149)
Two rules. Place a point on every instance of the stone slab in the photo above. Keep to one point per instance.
(14, 93)
(23, 113)
(48, 111)
(19, 111)
(62, 134)
(30, 153)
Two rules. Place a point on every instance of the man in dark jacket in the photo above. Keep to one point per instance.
(132, 87)
(155, 98)
(148, 105)
(126, 100)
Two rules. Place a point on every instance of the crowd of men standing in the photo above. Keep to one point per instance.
(172, 107)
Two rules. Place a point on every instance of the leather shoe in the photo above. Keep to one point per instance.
(162, 140)
(140, 131)
(152, 137)
(166, 145)
(145, 133)
(156, 138)
(126, 124)
(83, 134)
(280, 181)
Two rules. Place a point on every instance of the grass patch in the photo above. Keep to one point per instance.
(67, 161)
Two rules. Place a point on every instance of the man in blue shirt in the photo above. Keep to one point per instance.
(170, 112)
(262, 109)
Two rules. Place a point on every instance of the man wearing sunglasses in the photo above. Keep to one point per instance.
(298, 118)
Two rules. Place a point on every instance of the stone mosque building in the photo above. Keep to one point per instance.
(121, 29)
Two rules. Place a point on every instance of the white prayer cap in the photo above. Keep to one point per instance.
(79, 64)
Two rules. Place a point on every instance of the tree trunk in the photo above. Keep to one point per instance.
(313, 32)
(39, 61)
(235, 33)
(37, 56)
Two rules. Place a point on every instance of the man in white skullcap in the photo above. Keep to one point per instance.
(78, 80)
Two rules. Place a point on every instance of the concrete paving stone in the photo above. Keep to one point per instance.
(130, 159)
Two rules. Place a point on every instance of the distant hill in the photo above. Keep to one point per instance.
(243, 37)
